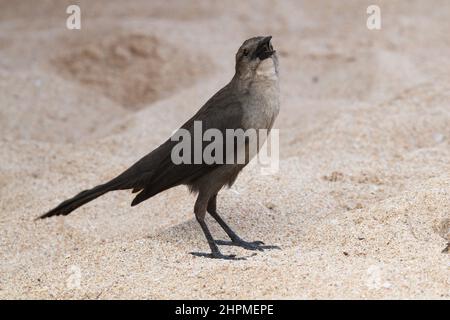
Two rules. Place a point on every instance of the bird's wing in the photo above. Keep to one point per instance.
(156, 172)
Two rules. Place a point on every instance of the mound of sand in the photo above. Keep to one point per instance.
(132, 69)
(360, 205)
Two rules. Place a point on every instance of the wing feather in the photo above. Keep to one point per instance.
(223, 111)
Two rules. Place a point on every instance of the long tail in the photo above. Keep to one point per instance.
(136, 177)
(82, 198)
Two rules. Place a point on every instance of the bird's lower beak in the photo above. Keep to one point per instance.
(264, 49)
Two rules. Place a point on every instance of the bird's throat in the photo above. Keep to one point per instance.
(266, 70)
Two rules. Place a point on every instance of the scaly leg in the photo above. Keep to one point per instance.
(235, 239)
(200, 212)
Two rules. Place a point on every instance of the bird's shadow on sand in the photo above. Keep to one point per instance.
(222, 257)
(233, 256)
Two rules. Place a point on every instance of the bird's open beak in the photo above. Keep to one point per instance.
(264, 49)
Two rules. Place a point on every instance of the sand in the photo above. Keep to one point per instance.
(360, 205)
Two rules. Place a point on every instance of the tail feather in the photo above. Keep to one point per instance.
(137, 177)
(80, 199)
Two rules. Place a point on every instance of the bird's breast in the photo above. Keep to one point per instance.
(262, 106)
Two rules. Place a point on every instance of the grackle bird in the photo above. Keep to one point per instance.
(249, 101)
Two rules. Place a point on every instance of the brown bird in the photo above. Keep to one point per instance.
(249, 101)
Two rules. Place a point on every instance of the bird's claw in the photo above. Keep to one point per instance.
(254, 245)
(217, 255)
(258, 242)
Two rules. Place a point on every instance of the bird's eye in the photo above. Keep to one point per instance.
(245, 52)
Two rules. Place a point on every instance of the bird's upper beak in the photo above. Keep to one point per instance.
(264, 49)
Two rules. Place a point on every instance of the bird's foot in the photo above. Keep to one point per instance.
(217, 255)
(254, 245)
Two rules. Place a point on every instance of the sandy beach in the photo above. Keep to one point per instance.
(360, 205)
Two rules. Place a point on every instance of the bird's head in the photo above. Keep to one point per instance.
(256, 58)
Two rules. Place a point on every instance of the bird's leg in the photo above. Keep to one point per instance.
(235, 239)
(212, 209)
(200, 212)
